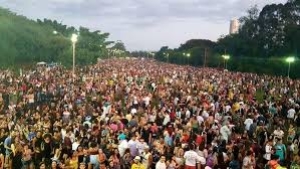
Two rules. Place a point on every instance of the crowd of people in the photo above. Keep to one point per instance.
(143, 114)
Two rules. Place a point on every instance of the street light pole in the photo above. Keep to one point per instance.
(226, 58)
(289, 60)
(167, 56)
(74, 40)
(73, 44)
(187, 55)
(289, 69)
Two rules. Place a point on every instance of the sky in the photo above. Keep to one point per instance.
(142, 24)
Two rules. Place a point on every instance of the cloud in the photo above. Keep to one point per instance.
(174, 20)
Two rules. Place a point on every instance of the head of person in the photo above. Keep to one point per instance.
(192, 146)
(111, 164)
(47, 138)
(296, 141)
(249, 153)
(42, 165)
(82, 166)
(137, 159)
(54, 164)
(279, 141)
(146, 149)
(162, 159)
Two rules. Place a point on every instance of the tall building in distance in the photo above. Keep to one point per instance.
(234, 26)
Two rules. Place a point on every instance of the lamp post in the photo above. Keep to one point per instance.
(187, 55)
(74, 40)
(167, 55)
(289, 60)
(226, 58)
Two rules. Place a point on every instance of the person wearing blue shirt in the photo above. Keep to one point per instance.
(122, 136)
(8, 150)
(280, 150)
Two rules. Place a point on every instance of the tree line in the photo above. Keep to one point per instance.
(25, 42)
(264, 40)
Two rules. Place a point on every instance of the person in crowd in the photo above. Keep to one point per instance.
(191, 158)
(137, 163)
(161, 164)
(130, 113)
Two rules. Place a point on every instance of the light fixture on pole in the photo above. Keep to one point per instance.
(167, 55)
(74, 39)
(289, 60)
(187, 55)
(226, 58)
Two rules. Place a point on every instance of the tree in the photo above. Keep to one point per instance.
(203, 43)
(264, 40)
(24, 41)
(119, 46)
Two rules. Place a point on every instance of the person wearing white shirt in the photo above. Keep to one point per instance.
(167, 119)
(205, 114)
(63, 133)
(75, 145)
(191, 158)
(161, 164)
(147, 100)
(225, 132)
(122, 147)
(147, 158)
(268, 149)
(227, 108)
(187, 114)
(212, 107)
(200, 119)
(291, 114)
(248, 123)
(202, 157)
(278, 133)
(133, 111)
(176, 100)
(106, 110)
(218, 116)
(152, 117)
(178, 114)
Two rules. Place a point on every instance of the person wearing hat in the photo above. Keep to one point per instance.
(82, 166)
(147, 158)
(137, 163)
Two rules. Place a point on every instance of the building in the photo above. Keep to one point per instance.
(234, 26)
